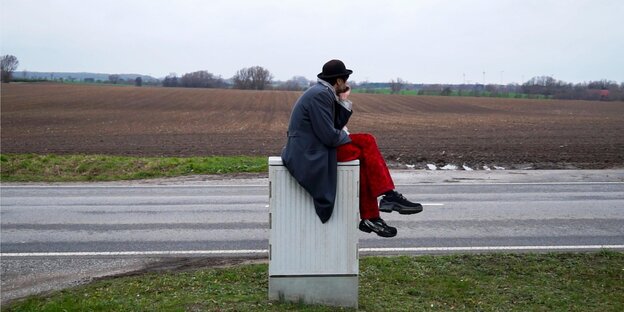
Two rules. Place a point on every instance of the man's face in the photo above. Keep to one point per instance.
(341, 86)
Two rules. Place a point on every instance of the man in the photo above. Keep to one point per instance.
(318, 139)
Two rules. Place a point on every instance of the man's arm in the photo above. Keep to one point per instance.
(343, 113)
(344, 109)
(321, 113)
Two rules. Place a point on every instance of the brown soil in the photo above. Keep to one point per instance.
(514, 133)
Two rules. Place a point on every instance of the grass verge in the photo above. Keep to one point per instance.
(490, 282)
(74, 168)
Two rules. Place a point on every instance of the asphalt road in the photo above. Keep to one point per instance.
(60, 235)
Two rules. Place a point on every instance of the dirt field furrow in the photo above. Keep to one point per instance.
(516, 133)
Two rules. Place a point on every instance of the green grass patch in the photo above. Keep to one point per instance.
(491, 282)
(73, 168)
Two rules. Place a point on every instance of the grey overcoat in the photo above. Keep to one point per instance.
(314, 132)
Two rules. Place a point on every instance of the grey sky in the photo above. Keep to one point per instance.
(419, 41)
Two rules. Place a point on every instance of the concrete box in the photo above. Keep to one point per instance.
(309, 261)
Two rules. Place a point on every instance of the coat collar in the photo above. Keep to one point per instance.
(331, 88)
(345, 103)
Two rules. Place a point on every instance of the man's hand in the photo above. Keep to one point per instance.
(345, 95)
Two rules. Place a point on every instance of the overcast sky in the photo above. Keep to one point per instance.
(421, 41)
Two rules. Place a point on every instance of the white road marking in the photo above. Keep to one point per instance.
(465, 183)
(136, 186)
(265, 251)
(488, 248)
(135, 253)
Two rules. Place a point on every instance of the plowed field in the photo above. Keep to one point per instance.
(63, 119)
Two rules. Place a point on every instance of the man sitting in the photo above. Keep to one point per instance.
(318, 139)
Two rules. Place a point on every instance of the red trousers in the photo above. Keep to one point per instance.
(375, 178)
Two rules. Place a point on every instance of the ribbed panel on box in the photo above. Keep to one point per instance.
(299, 243)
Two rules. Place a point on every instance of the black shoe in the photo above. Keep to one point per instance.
(378, 226)
(397, 202)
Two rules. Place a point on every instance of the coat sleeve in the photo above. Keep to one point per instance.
(342, 116)
(321, 114)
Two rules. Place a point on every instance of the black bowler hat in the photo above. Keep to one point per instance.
(333, 69)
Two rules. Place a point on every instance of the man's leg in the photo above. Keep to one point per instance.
(376, 169)
(369, 210)
(374, 176)
(351, 151)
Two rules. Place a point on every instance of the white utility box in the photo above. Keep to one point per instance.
(309, 261)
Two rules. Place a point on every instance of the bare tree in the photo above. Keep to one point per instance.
(201, 79)
(8, 64)
(397, 85)
(261, 78)
(242, 79)
(541, 85)
(171, 80)
(256, 78)
(114, 79)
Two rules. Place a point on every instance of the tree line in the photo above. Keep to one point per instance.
(248, 78)
(259, 78)
(251, 78)
(536, 87)
(557, 89)
(198, 79)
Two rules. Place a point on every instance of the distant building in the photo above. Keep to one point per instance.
(602, 94)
